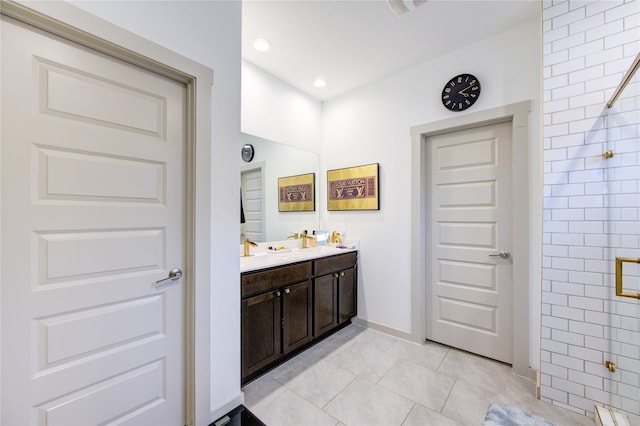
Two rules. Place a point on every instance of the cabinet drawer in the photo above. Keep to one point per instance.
(271, 279)
(327, 265)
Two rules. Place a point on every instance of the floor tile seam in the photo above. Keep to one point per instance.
(446, 400)
(285, 377)
(355, 377)
(266, 401)
(381, 385)
(371, 371)
(443, 359)
(346, 345)
(500, 389)
(377, 383)
(408, 414)
(409, 360)
(332, 398)
(304, 399)
(388, 369)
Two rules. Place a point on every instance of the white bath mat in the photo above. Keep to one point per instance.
(506, 415)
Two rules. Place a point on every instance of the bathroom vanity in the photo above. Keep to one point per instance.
(293, 300)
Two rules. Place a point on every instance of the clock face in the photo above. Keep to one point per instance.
(461, 92)
(247, 152)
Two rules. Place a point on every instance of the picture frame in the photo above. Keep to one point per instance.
(354, 188)
(297, 193)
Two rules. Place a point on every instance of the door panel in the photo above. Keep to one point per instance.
(470, 288)
(261, 331)
(297, 312)
(347, 295)
(325, 305)
(92, 213)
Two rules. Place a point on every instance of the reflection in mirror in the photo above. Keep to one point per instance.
(259, 181)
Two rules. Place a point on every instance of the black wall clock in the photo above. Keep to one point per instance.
(461, 92)
(247, 152)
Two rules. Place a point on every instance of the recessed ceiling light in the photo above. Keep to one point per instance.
(262, 45)
(319, 82)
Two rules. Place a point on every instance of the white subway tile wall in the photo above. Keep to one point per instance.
(592, 205)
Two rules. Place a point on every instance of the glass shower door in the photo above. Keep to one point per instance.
(621, 244)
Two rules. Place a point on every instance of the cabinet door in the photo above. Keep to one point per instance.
(326, 304)
(297, 316)
(261, 331)
(347, 295)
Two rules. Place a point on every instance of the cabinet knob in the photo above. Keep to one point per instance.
(335, 275)
(287, 290)
(277, 294)
(342, 274)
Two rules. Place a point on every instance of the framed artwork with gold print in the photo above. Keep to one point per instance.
(297, 193)
(353, 188)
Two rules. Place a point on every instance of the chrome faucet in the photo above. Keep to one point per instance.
(306, 237)
(247, 244)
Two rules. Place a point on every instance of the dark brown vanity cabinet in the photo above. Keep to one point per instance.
(277, 314)
(285, 307)
(335, 289)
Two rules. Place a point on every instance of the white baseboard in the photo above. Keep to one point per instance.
(384, 329)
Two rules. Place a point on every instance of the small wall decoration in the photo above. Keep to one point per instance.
(353, 188)
(297, 193)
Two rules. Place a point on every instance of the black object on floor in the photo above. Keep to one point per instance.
(239, 416)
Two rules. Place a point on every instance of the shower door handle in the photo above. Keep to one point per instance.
(619, 290)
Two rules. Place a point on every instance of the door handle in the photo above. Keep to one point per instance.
(504, 254)
(174, 275)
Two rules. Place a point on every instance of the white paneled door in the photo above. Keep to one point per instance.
(252, 201)
(92, 216)
(470, 296)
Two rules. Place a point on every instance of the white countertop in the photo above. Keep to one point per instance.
(261, 258)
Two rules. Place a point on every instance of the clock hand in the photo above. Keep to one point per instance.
(461, 92)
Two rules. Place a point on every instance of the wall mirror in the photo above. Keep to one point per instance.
(259, 189)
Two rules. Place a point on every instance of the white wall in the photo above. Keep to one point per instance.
(592, 205)
(208, 32)
(275, 110)
(371, 125)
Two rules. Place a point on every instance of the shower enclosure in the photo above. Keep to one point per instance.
(621, 238)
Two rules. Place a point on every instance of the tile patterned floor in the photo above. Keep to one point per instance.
(362, 377)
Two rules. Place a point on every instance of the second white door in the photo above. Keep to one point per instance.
(252, 202)
(470, 267)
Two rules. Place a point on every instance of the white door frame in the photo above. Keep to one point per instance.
(518, 114)
(71, 23)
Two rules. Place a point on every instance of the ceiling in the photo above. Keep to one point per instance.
(350, 43)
